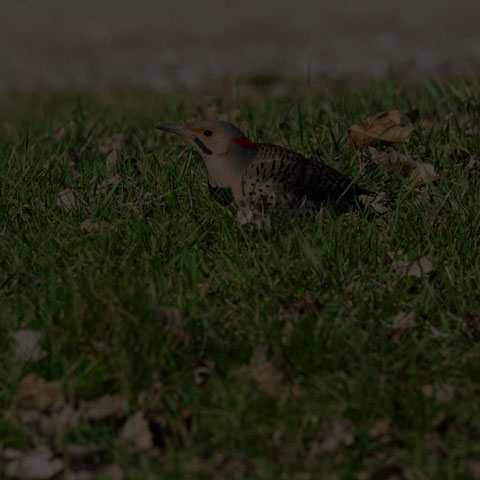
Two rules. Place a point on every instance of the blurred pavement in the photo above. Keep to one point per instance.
(171, 42)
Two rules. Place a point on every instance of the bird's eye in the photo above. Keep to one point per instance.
(207, 133)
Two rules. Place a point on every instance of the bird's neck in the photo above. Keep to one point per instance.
(225, 172)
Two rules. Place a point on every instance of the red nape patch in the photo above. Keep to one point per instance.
(245, 143)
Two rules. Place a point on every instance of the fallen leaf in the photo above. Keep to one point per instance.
(136, 431)
(57, 421)
(89, 225)
(103, 407)
(379, 203)
(109, 183)
(332, 435)
(27, 348)
(442, 392)
(37, 464)
(114, 142)
(41, 404)
(35, 393)
(111, 161)
(403, 265)
(404, 320)
(384, 127)
(417, 172)
(268, 379)
(70, 199)
(381, 428)
(59, 133)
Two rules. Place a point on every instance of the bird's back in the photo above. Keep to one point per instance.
(286, 171)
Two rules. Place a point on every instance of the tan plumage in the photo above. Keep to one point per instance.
(265, 178)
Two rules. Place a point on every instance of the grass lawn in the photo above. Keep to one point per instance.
(305, 350)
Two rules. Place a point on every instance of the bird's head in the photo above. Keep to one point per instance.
(225, 149)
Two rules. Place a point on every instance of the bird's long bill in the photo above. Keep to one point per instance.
(178, 129)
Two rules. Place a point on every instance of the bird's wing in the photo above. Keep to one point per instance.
(285, 171)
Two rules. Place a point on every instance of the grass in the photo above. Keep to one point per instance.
(285, 330)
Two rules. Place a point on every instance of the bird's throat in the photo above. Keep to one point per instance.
(202, 146)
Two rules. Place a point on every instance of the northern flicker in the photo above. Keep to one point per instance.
(264, 178)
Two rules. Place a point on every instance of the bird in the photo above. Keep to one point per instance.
(265, 179)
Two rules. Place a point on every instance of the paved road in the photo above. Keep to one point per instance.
(165, 42)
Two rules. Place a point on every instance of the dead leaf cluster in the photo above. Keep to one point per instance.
(376, 128)
(42, 407)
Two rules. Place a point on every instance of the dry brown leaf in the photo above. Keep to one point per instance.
(103, 407)
(41, 404)
(400, 324)
(89, 225)
(58, 420)
(384, 127)
(115, 142)
(136, 431)
(336, 433)
(403, 265)
(39, 464)
(381, 428)
(109, 183)
(70, 199)
(404, 320)
(442, 392)
(379, 203)
(267, 377)
(418, 173)
(423, 173)
(111, 161)
(27, 348)
(35, 393)
(59, 133)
